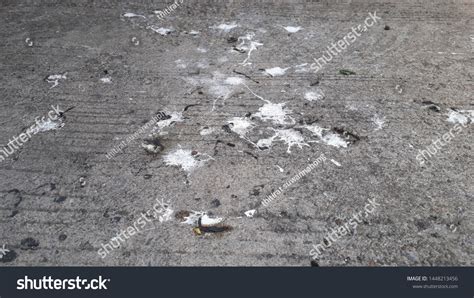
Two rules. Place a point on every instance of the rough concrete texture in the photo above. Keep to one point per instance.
(61, 197)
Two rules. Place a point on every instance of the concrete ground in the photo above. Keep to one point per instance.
(112, 66)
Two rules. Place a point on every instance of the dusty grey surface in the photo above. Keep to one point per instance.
(425, 217)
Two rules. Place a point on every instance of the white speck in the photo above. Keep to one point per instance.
(162, 31)
(276, 71)
(457, 117)
(49, 125)
(201, 50)
(335, 162)
(193, 32)
(106, 80)
(206, 131)
(280, 169)
(226, 27)
(314, 95)
(292, 29)
(55, 79)
(379, 122)
(234, 81)
(250, 213)
(133, 15)
(184, 159)
(240, 125)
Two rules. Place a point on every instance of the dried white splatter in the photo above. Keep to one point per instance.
(225, 27)
(275, 112)
(290, 136)
(378, 121)
(292, 29)
(161, 30)
(240, 125)
(250, 213)
(184, 159)
(314, 95)
(456, 117)
(328, 138)
(54, 79)
(461, 116)
(335, 162)
(194, 32)
(280, 169)
(201, 50)
(133, 15)
(220, 86)
(276, 71)
(106, 80)
(248, 45)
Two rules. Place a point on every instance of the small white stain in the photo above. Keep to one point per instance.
(457, 117)
(335, 162)
(225, 27)
(234, 81)
(292, 29)
(250, 213)
(205, 220)
(201, 50)
(206, 131)
(379, 122)
(106, 80)
(276, 71)
(280, 169)
(240, 125)
(326, 137)
(314, 95)
(133, 15)
(161, 30)
(185, 159)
